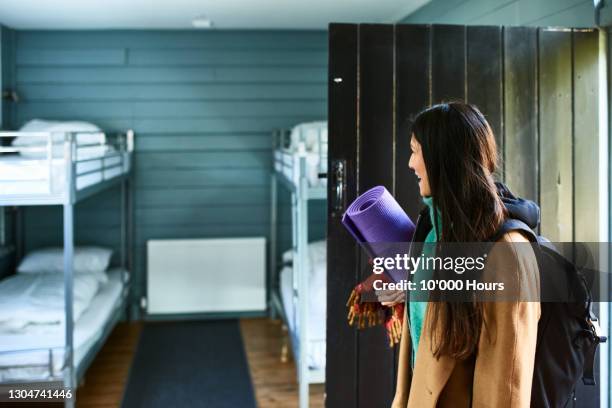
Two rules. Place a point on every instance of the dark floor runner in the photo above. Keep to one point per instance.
(190, 364)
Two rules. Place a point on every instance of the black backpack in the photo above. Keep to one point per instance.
(568, 332)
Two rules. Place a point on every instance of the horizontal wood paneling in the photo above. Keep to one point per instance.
(245, 214)
(232, 214)
(198, 56)
(196, 91)
(202, 105)
(108, 236)
(36, 56)
(506, 12)
(200, 141)
(199, 178)
(195, 160)
(163, 197)
(251, 39)
(157, 75)
(208, 108)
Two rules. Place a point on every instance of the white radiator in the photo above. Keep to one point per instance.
(206, 275)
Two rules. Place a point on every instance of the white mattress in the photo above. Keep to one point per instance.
(19, 175)
(88, 329)
(317, 305)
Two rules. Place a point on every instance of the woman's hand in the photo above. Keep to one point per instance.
(390, 297)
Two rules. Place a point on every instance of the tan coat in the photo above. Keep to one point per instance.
(501, 372)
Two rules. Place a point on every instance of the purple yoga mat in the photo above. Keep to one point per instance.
(375, 217)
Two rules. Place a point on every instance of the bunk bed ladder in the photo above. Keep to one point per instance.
(68, 207)
(272, 283)
(301, 269)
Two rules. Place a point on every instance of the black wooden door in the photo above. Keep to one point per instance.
(380, 76)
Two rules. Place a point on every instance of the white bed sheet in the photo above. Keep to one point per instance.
(88, 328)
(38, 298)
(317, 305)
(19, 175)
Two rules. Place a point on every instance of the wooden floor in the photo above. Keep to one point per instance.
(275, 382)
(107, 376)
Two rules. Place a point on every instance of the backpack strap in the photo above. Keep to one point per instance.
(596, 335)
(511, 224)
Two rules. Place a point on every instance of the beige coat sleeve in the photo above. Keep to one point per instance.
(503, 371)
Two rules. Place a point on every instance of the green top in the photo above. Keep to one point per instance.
(417, 309)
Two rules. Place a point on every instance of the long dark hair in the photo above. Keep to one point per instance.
(460, 157)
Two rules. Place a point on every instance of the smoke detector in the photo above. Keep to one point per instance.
(202, 22)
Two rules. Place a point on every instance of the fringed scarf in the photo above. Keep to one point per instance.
(364, 314)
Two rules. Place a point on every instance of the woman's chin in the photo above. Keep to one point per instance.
(424, 192)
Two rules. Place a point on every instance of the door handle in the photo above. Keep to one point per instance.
(338, 171)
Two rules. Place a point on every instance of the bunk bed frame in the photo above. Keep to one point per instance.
(118, 161)
(286, 163)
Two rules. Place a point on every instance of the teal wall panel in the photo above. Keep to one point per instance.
(177, 39)
(181, 92)
(3, 66)
(202, 105)
(62, 57)
(182, 109)
(7, 82)
(572, 13)
(174, 74)
(7, 74)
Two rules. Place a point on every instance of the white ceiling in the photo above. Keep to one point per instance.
(176, 14)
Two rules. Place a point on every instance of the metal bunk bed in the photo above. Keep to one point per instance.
(290, 171)
(81, 176)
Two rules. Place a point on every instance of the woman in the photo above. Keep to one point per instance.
(466, 354)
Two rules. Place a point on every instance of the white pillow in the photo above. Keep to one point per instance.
(317, 253)
(58, 129)
(288, 256)
(51, 260)
(309, 134)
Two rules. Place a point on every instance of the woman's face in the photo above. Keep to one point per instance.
(417, 164)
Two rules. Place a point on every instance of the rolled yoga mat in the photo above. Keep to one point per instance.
(375, 217)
